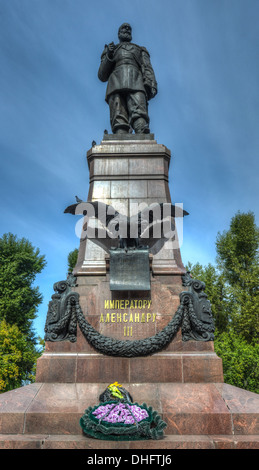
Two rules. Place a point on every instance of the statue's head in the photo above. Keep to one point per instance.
(124, 33)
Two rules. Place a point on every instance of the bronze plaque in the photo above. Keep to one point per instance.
(129, 270)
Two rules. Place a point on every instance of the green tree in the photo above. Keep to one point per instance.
(72, 259)
(240, 360)
(233, 290)
(18, 357)
(238, 260)
(20, 262)
(237, 249)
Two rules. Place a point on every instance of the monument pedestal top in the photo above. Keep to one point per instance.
(129, 172)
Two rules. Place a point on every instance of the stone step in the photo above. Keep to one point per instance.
(79, 441)
(204, 409)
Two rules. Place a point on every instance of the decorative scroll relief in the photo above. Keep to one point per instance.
(61, 323)
(202, 325)
(193, 316)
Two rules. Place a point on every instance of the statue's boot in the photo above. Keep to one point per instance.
(140, 126)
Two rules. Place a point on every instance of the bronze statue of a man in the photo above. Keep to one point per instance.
(131, 83)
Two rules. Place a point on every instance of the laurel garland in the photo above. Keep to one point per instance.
(126, 348)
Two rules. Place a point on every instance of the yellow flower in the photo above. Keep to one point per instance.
(116, 384)
(114, 390)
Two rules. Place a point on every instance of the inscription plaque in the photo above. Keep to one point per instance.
(129, 270)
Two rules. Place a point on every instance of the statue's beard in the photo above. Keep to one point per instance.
(125, 37)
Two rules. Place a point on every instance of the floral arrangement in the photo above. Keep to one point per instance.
(120, 413)
(121, 419)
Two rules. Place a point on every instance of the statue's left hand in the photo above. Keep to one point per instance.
(153, 92)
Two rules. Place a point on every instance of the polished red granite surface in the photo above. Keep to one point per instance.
(200, 415)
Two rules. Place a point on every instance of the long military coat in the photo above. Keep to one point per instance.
(129, 70)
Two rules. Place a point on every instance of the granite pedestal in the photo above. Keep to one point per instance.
(127, 173)
(123, 173)
(183, 382)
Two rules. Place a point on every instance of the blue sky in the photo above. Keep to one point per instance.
(205, 57)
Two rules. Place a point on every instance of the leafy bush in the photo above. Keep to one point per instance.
(240, 360)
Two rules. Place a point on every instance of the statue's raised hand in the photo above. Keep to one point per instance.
(111, 48)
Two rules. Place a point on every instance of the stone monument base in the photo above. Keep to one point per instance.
(181, 361)
(198, 416)
(183, 382)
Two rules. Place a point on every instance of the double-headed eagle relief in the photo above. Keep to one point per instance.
(150, 227)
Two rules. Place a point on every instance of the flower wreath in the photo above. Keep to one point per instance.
(120, 419)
